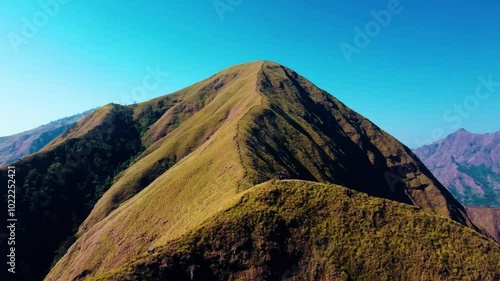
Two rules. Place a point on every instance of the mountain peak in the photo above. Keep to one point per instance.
(249, 65)
(459, 134)
(468, 164)
(208, 145)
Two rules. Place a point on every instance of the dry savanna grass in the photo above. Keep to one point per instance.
(298, 230)
(200, 193)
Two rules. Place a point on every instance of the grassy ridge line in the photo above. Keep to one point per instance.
(190, 101)
(84, 126)
(57, 188)
(186, 137)
(297, 230)
(145, 169)
(183, 197)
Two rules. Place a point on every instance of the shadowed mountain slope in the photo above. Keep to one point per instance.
(218, 139)
(57, 187)
(306, 133)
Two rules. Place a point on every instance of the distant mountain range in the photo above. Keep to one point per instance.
(254, 173)
(468, 165)
(19, 145)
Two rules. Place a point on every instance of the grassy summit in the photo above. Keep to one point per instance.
(57, 187)
(207, 115)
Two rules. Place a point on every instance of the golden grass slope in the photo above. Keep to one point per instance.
(187, 194)
(298, 230)
(226, 104)
(88, 123)
(222, 136)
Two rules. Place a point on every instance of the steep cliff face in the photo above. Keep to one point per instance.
(468, 165)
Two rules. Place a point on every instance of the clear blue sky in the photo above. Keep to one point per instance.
(418, 65)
